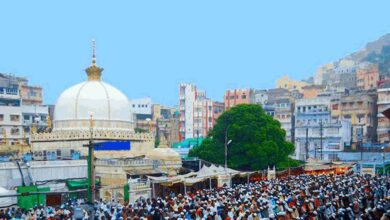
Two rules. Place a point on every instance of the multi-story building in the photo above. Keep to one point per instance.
(316, 132)
(187, 96)
(203, 116)
(367, 76)
(283, 112)
(286, 83)
(196, 112)
(167, 120)
(219, 108)
(259, 97)
(141, 113)
(345, 80)
(31, 95)
(319, 77)
(18, 110)
(312, 91)
(269, 110)
(234, 97)
(359, 109)
(383, 104)
(34, 115)
(141, 106)
(275, 94)
(280, 105)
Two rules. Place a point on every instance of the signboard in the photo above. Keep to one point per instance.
(223, 180)
(112, 146)
(366, 170)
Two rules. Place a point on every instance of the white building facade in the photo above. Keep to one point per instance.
(315, 132)
(196, 112)
(16, 119)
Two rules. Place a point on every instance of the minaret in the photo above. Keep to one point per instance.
(94, 72)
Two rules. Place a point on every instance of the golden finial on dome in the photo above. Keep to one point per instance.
(94, 72)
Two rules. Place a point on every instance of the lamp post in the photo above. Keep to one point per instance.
(226, 145)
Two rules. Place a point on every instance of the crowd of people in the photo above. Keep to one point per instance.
(295, 197)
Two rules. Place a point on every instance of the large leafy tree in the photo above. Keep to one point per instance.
(257, 140)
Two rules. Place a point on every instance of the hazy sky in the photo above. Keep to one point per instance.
(148, 47)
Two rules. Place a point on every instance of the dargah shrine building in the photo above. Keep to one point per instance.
(92, 108)
(96, 111)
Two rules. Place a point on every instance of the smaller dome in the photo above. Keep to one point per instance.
(163, 152)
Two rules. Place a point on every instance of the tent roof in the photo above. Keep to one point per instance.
(193, 177)
(4, 191)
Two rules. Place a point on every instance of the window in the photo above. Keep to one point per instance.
(133, 105)
(26, 117)
(360, 118)
(14, 118)
(243, 96)
(32, 93)
(1, 117)
(14, 131)
(335, 106)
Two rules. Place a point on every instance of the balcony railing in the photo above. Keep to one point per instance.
(11, 93)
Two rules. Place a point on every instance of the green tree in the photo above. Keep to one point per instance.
(257, 140)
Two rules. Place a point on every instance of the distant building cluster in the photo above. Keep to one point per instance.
(21, 109)
(338, 109)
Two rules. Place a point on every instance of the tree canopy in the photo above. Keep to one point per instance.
(258, 140)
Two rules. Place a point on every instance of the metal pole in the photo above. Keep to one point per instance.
(307, 143)
(350, 143)
(197, 138)
(226, 132)
(210, 182)
(91, 166)
(361, 142)
(321, 138)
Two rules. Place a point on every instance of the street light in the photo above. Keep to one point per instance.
(226, 144)
(226, 147)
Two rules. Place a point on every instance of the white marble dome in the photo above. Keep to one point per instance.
(108, 106)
